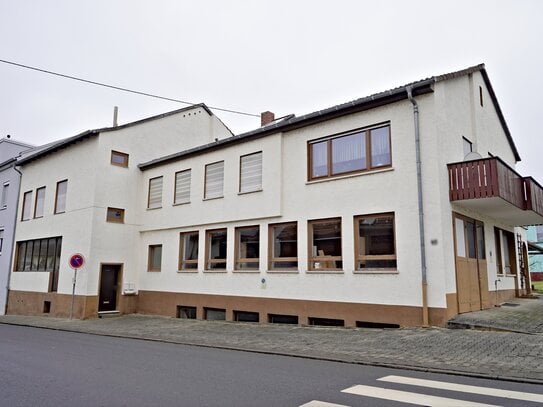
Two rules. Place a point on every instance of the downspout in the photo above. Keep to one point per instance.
(409, 90)
(13, 238)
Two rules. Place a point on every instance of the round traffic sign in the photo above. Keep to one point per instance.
(76, 261)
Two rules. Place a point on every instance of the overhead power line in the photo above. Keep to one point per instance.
(105, 85)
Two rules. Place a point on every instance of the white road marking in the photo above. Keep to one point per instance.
(317, 403)
(411, 398)
(486, 391)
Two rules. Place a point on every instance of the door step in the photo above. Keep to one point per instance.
(108, 314)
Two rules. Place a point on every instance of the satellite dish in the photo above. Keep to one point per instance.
(474, 155)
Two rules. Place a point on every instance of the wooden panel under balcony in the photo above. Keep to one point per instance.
(490, 187)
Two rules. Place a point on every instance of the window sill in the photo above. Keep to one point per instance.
(212, 199)
(369, 271)
(181, 203)
(358, 174)
(325, 272)
(191, 271)
(286, 271)
(250, 192)
(506, 275)
(246, 271)
(156, 207)
(219, 271)
(153, 271)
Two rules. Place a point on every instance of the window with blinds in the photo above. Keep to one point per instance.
(250, 172)
(182, 187)
(214, 181)
(155, 193)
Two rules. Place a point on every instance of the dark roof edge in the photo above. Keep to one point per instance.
(88, 133)
(358, 105)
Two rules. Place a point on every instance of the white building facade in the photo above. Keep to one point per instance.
(310, 220)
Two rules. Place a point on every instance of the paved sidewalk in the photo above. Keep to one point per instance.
(503, 355)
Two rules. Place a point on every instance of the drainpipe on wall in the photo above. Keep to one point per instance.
(12, 239)
(409, 90)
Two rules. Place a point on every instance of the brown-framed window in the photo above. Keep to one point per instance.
(27, 206)
(154, 199)
(39, 203)
(115, 215)
(250, 172)
(60, 196)
(247, 248)
(352, 152)
(182, 187)
(375, 242)
(505, 252)
(155, 257)
(188, 250)
(214, 180)
(283, 246)
(119, 159)
(216, 249)
(325, 244)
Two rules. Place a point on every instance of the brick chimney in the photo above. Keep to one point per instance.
(266, 118)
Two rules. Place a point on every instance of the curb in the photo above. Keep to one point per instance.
(418, 368)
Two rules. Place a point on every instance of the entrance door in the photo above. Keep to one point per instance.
(471, 271)
(109, 277)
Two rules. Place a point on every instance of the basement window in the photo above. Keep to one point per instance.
(367, 324)
(282, 319)
(326, 321)
(185, 312)
(246, 316)
(46, 307)
(214, 314)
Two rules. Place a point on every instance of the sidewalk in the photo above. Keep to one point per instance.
(490, 354)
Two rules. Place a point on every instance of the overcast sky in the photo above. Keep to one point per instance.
(252, 56)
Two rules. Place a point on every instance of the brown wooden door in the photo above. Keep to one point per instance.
(109, 277)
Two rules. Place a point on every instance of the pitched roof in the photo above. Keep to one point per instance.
(292, 122)
(66, 142)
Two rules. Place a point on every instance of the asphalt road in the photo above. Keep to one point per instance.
(40, 367)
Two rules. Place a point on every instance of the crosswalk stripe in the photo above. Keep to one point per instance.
(486, 391)
(410, 398)
(317, 403)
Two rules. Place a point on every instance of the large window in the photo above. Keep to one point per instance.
(188, 251)
(349, 153)
(283, 250)
(325, 244)
(375, 242)
(119, 159)
(4, 199)
(27, 205)
(182, 187)
(40, 200)
(247, 248)
(38, 255)
(214, 180)
(60, 197)
(250, 172)
(154, 199)
(216, 249)
(155, 257)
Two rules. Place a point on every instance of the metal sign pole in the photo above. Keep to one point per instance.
(73, 293)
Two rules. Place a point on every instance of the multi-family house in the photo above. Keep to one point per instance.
(80, 196)
(9, 182)
(401, 208)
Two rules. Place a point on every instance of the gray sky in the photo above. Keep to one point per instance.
(252, 56)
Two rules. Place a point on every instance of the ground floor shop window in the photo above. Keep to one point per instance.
(325, 244)
(375, 242)
(216, 249)
(283, 250)
(188, 251)
(247, 248)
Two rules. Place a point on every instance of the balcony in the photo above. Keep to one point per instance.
(489, 186)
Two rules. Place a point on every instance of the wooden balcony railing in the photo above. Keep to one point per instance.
(492, 177)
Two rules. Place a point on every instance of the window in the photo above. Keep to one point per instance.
(188, 251)
(38, 255)
(60, 199)
(247, 248)
(481, 96)
(155, 257)
(186, 312)
(539, 233)
(40, 199)
(216, 249)
(350, 153)
(4, 199)
(27, 203)
(325, 244)
(467, 145)
(214, 180)
(155, 193)
(375, 243)
(1, 240)
(283, 250)
(182, 187)
(115, 215)
(250, 172)
(119, 159)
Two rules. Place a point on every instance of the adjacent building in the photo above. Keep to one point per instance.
(401, 208)
(535, 252)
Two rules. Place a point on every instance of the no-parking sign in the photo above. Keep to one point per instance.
(76, 261)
